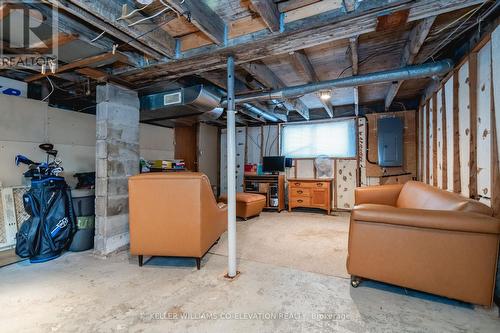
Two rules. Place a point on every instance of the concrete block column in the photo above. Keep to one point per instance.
(117, 158)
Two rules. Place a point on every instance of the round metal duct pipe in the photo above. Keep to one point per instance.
(400, 74)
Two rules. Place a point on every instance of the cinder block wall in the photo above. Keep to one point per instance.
(117, 158)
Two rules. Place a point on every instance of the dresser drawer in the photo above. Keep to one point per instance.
(299, 202)
(300, 192)
(312, 184)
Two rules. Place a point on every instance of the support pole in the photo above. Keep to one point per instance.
(231, 171)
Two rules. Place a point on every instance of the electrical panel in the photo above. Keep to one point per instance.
(390, 142)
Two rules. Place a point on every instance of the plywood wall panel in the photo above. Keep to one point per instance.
(431, 141)
(495, 66)
(483, 91)
(425, 144)
(450, 149)
(464, 124)
(346, 183)
(253, 145)
(495, 77)
(439, 138)
(362, 150)
(420, 138)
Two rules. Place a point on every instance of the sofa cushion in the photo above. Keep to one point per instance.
(245, 197)
(418, 195)
(429, 219)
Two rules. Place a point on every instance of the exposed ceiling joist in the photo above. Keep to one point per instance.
(294, 4)
(413, 45)
(94, 61)
(220, 79)
(263, 74)
(304, 33)
(353, 45)
(267, 77)
(203, 17)
(101, 17)
(69, 26)
(62, 39)
(304, 65)
(349, 5)
(269, 13)
(298, 106)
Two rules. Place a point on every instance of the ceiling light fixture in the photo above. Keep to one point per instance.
(325, 95)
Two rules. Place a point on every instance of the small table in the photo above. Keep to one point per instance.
(310, 193)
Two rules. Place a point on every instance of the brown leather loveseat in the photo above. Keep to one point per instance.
(419, 237)
(174, 214)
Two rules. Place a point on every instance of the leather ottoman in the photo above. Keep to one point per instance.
(247, 204)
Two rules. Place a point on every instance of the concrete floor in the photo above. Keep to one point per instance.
(308, 242)
(83, 293)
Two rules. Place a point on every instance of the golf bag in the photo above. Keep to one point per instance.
(52, 222)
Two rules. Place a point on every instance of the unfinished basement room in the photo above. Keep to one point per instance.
(278, 166)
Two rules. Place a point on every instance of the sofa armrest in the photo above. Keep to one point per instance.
(381, 194)
(430, 219)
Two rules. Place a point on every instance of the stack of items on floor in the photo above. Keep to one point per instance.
(84, 207)
(162, 165)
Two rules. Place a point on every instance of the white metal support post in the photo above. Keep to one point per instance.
(231, 171)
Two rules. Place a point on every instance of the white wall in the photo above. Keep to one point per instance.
(207, 151)
(26, 123)
(487, 73)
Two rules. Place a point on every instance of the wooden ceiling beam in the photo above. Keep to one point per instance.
(220, 80)
(203, 17)
(304, 33)
(268, 78)
(263, 74)
(298, 106)
(304, 65)
(269, 13)
(47, 45)
(413, 45)
(349, 5)
(353, 45)
(294, 4)
(103, 15)
(94, 61)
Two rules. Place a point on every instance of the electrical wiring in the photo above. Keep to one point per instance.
(150, 17)
(133, 12)
(442, 43)
(87, 107)
(272, 143)
(100, 35)
(267, 138)
(52, 91)
(471, 12)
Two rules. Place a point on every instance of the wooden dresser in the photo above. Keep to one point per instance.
(311, 193)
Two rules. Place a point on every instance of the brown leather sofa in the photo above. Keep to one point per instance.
(174, 214)
(247, 204)
(423, 238)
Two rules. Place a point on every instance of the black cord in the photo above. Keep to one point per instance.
(272, 143)
(267, 138)
(142, 35)
(367, 132)
(361, 62)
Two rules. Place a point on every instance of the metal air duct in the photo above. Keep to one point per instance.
(400, 74)
(183, 102)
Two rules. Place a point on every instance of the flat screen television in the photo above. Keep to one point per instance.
(273, 163)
